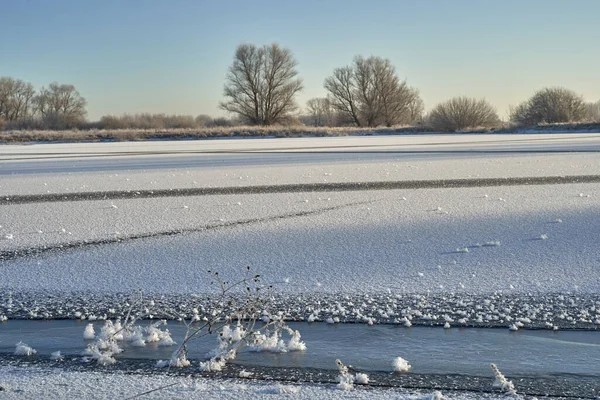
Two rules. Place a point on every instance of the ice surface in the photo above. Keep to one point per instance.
(371, 242)
(320, 244)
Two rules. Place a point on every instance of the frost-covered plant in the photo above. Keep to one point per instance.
(238, 319)
(502, 383)
(242, 301)
(24, 350)
(273, 342)
(347, 380)
(106, 345)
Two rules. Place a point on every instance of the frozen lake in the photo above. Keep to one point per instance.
(489, 252)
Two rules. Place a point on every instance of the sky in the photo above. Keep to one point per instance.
(130, 56)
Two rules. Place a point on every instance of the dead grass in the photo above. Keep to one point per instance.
(95, 135)
(119, 135)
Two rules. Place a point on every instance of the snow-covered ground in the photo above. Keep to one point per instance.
(54, 383)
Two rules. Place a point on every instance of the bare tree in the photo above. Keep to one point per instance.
(261, 84)
(462, 112)
(15, 99)
(415, 109)
(550, 105)
(593, 112)
(60, 106)
(370, 93)
(320, 112)
(342, 93)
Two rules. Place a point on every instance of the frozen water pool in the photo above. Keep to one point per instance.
(541, 362)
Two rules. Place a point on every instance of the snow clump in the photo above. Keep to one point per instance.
(401, 365)
(23, 350)
(245, 374)
(361, 378)
(88, 333)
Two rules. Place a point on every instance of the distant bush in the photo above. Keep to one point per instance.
(550, 105)
(147, 121)
(462, 113)
(159, 121)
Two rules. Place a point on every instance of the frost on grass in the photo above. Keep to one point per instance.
(24, 350)
(401, 365)
(502, 383)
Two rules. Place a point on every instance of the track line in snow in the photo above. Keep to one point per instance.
(303, 150)
(296, 188)
(35, 251)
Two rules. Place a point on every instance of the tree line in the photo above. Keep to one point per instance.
(261, 87)
(57, 106)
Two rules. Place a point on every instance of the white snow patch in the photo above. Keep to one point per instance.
(401, 365)
(361, 378)
(24, 350)
(88, 333)
(245, 374)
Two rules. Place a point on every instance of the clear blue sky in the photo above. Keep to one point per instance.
(128, 56)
